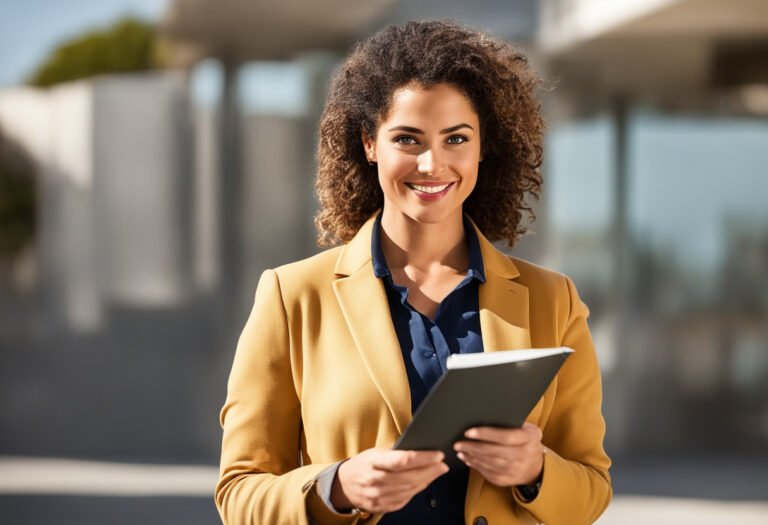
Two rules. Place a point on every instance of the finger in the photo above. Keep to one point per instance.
(390, 491)
(383, 498)
(502, 436)
(535, 431)
(399, 460)
(419, 478)
(440, 469)
(492, 463)
(409, 480)
(406, 486)
(488, 449)
(502, 455)
(502, 478)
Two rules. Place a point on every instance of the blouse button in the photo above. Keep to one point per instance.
(433, 503)
(480, 520)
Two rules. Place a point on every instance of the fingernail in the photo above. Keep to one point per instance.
(470, 433)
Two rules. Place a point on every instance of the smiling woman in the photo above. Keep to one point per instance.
(494, 78)
(430, 143)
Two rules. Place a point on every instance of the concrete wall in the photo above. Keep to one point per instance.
(113, 358)
(113, 191)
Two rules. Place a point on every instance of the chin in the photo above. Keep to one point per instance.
(431, 216)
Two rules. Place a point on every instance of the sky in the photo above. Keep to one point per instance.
(30, 29)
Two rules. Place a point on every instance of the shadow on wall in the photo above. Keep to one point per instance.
(17, 214)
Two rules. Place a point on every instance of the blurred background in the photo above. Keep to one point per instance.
(157, 155)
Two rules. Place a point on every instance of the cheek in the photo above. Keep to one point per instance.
(470, 186)
(394, 168)
(468, 163)
(469, 171)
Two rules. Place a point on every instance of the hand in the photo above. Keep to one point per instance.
(504, 456)
(384, 480)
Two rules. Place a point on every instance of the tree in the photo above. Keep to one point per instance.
(17, 198)
(128, 45)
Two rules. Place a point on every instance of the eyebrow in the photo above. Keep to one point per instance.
(410, 129)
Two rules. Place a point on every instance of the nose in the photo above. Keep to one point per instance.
(427, 162)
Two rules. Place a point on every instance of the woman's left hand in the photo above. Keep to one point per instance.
(504, 456)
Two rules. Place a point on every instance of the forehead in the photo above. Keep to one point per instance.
(442, 104)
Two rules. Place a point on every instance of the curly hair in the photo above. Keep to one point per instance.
(491, 73)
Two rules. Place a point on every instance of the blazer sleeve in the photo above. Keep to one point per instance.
(261, 478)
(576, 485)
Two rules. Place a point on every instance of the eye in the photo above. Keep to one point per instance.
(457, 139)
(405, 140)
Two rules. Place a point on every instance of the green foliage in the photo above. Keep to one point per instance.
(129, 45)
(17, 198)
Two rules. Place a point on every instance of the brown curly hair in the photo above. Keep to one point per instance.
(491, 73)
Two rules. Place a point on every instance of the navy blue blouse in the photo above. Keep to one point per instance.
(426, 345)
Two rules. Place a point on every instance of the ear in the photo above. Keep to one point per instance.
(369, 145)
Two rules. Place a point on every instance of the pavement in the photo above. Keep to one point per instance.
(645, 510)
(51, 491)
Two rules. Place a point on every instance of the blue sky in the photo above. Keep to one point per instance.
(30, 29)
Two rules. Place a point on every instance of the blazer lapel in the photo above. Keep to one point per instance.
(503, 314)
(364, 305)
(503, 302)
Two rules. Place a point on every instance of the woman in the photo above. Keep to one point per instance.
(429, 142)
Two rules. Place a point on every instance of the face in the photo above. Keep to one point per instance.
(427, 150)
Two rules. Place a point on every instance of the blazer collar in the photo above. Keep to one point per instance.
(355, 254)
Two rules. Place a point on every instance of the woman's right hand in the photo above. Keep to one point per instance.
(384, 480)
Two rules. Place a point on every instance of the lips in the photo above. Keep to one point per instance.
(430, 191)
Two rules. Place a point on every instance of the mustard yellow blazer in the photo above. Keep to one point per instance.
(318, 377)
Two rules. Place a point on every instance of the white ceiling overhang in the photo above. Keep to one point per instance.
(653, 46)
(242, 30)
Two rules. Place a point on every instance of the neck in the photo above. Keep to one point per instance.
(408, 243)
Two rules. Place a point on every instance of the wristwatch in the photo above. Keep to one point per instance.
(529, 492)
